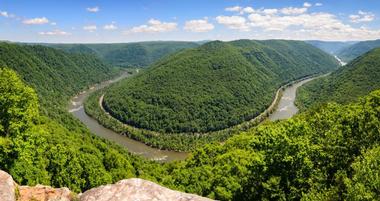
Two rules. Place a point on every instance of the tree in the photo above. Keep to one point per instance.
(18, 104)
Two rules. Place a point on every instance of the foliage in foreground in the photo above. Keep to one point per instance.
(317, 155)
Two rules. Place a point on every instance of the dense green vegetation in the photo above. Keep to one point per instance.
(35, 149)
(323, 154)
(330, 153)
(331, 47)
(356, 79)
(169, 141)
(43, 143)
(353, 51)
(140, 54)
(212, 87)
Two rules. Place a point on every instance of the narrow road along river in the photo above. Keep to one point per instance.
(285, 109)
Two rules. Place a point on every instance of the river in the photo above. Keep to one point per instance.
(284, 110)
(286, 107)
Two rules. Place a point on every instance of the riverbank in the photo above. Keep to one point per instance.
(76, 108)
(180, 142)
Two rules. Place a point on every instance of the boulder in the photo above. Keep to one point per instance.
(136, 189)
(44, 193)
(7, 187)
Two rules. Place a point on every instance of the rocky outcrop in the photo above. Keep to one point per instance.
(136, 189)
(39, 192)
(124, 190)
(7, 187)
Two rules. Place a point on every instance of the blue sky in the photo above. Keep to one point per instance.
(101, 21)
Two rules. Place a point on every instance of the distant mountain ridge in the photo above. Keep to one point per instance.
(351, 52)
(351, 81)
(331, 47)
(136, 54)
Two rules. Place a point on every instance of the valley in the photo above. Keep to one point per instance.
(285, 96)
(103, 150)
(189, 100)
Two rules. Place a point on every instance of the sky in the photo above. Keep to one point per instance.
(113, 21)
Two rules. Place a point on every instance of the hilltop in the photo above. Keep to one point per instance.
(214, 86)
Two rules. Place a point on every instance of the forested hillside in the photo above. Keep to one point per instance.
(329, 153)
(139, 54)
(353, 80)
(353, 51)
(212, 87)
(55, 74)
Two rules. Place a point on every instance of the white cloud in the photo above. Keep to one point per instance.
(248, 10)
(154, 26)
(234, 9)
(307, 5)
(310, 21)
(4, 14)
(55, 33)
(240, 10)
(111, 26)
(322, 26)
(362, 17)
(269, 11)
(293, 11)
(198, 26)
(42, 20)
(93, 9)
(53, 23)
(233, 22)
(318, 4)
(90, 28)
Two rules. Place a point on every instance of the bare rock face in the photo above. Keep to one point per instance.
(124, 190)
(7, 187)
(136, 189)
(8, 191)
(44, 193)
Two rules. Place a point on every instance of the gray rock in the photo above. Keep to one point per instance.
(7, 187)
(136, 190)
